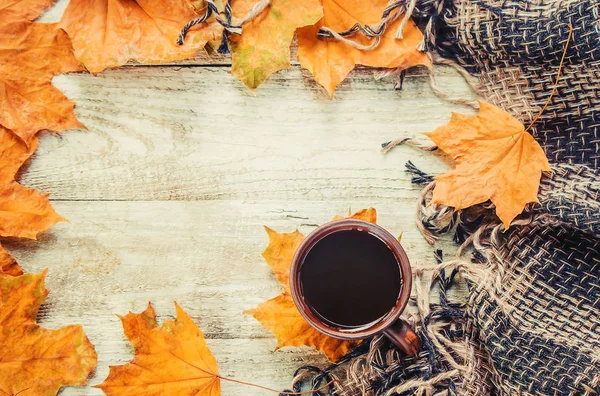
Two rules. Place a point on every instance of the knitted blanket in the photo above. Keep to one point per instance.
(531, 325)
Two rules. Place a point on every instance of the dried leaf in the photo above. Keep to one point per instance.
(109, 33)
(330, 60)
(22, 10)
(8, 264)
(198, 5)
(169, 360)
(264, 46)
(13, 154)
(495, 158)
(279, 314)
(280, 252)
(34, 360)
(369, 215)
(24, 212)
(30, 55)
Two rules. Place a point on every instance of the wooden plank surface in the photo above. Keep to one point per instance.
(198, 133)
(181, 166)
(114, 257)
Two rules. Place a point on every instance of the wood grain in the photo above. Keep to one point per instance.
(163, 133)
(114, 257)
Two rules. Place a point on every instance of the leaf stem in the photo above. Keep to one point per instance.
(557, 78)
(275, 390)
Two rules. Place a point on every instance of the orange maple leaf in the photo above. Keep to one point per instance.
(331, 60)
(30, 55)
(8, 264)
(22, 10)
(169, 360)
(34, 360)
(495, 158)
(109, 33)
(13, 154)
(279, 314)
(24, 212)
(264, 46)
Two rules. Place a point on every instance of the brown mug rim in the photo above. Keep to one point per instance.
(346, 225)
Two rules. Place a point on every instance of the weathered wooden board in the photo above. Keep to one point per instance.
(114, 257)
(198, 133)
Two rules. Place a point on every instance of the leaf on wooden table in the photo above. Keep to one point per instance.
(264, 46)
(34, 360)
(109, 33)
(30, 55)
(280, 252)
(330, 60)
(369, 215)
(24, 212)
(496, 159)
(13, 154)
(8, 264)
(22, 10)
(279, 314)
(169, 360)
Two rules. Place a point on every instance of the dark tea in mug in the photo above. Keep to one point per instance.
(350, 279)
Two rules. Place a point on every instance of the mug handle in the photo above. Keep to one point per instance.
(403, 336)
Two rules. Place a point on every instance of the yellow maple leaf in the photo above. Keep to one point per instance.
(264, 46)
(330, 60)
(495, 158)
(172, 359)
(109, 33)
(34, 360)
(279, 314)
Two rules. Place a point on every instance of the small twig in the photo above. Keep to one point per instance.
(562, 59)
(275, 390)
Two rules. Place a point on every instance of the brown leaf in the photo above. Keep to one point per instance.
(34, 360)
(279, 314)
(264, 46)
(110, 33)
(495, 158)
(169, 360)
(30, 55)
(330, 60)
(22, 10)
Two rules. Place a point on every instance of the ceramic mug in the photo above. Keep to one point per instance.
(390, 324)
